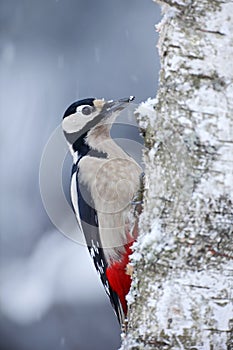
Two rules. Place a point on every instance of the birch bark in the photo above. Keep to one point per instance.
(182, 290)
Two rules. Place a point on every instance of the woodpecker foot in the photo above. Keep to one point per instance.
(129, 270)
(138, 198)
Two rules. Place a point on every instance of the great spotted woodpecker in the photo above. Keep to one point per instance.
(103, 183)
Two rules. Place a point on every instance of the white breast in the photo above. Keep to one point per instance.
(113, 183)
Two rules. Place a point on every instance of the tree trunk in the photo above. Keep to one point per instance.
(181, 295)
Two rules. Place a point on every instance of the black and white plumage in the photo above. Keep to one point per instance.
(104, 181)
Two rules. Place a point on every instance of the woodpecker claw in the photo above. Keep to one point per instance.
(129, 270)
(138, 198)
(136, 202)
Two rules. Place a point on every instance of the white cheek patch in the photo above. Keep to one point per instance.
(73, 123)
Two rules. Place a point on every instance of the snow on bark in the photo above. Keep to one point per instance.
(182, 290)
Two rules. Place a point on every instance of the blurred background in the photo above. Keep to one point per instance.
(53, 52)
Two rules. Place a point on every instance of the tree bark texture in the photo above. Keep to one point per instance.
(182, 290)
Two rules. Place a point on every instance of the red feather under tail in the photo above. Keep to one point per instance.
(118, 279)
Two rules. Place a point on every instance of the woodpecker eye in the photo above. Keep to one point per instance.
(87, 110)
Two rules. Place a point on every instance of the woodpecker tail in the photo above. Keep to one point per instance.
(118, 278)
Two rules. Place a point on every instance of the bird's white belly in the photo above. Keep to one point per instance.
(113, 183)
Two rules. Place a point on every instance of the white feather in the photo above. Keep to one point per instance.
(74, 199)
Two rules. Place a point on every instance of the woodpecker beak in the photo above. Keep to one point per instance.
(127, 99)
(113, 106)
(108, 109)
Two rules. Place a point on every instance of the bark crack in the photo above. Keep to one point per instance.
(210, 31)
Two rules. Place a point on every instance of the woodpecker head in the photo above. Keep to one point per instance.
(84, 115)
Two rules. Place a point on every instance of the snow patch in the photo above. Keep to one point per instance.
(146, 112)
